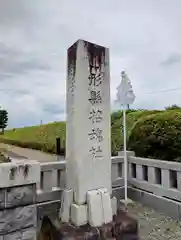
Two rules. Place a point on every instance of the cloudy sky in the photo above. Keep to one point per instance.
(144, 37)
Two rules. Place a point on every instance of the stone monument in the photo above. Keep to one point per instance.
(87, 197)
(87, 209)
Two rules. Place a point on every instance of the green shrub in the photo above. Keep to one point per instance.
(117, 126)
(157, 136)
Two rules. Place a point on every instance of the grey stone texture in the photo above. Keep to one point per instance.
(18, 196)
(123, 227)
(2, 198)
(18, 218)
(25, 234)
(18, 211)
(165, 176)
(169, 207)
(50, 209)
(151, 175)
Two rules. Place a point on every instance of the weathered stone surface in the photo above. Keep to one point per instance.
(2, 198)
(26, 234)
(19, 173)
(88, 146)
(66, 201)
(79, 214)
(24, 195)
(114, 205)
(16, 219)
(50, 209)
(95, 210)
(106, 205)
(29, 234)
(48, 230)
(123, 227)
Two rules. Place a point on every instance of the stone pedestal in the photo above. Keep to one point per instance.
(122, 227)
(88, 146)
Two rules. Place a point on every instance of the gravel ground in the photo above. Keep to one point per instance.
(154, 225)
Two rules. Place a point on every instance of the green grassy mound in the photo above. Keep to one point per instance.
(132, 117)
(43, 137)
(157, 136)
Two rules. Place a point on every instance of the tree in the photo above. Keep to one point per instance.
(172, 107)
(3, 119)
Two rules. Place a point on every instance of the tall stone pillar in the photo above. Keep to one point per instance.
(88, 146)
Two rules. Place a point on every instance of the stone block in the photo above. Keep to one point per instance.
(151, 175)
(139, 172)
(114, 205)
(114, 172)
(20, 173)
(66, 201)
(106, 205)
(95, 210)
(25, 234)
(29, 234)
(128, 153)
(129, 171)
(50, 209)
(19, 196)
(12, 220)
(2, 198)
(165, 178)
(79, 214)
(47, 181)
(178, 181)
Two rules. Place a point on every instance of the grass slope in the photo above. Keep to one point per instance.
(43, 137)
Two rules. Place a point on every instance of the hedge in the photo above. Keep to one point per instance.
(157, 136)
(132, 117)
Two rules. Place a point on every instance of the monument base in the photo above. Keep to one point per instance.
(96, 211)
(122, 227)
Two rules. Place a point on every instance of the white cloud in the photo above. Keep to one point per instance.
(143, 36)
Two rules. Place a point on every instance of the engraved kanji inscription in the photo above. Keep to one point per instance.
(95, 115)
(96, 152)
(95, 78)
(96, 133)
(95, 97)
(71, 80)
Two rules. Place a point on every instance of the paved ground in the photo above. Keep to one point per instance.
(154, 225)
(15, 152)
